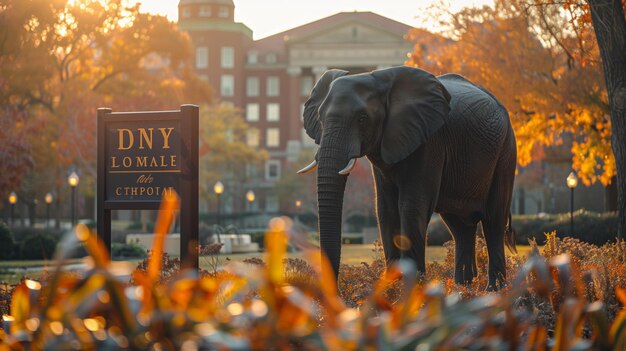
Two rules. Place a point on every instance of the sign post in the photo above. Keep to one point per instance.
(143, 155)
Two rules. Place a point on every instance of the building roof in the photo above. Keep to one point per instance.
(276, 41)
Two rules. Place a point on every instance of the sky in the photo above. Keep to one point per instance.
(267, 17)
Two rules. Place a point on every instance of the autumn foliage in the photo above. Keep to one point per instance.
(541, 60)
(60, 60)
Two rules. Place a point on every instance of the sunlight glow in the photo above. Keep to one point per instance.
(273, 16)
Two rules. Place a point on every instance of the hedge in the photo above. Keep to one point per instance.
(38, 246)
(590, 227)
(7, 242)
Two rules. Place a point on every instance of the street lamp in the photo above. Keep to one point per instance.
(48, 199)
(298, 206)
(218, 188)
(73, 180)
(250, 197)
(572, 182)
(13, 201)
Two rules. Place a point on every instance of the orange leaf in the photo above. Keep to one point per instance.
(169, 204)
(276, 244)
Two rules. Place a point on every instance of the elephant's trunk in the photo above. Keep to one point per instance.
(332, 157)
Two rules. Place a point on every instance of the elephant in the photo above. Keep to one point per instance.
(436, 145)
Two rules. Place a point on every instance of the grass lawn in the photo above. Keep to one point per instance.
(12, 271)
(356, 253)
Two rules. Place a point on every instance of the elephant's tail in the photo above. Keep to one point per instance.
(509, 235)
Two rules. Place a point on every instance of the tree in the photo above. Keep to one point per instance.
(516, 49)
(224, 152)
(14, 150)
(61, 60)
(610, 28)
(293, 186)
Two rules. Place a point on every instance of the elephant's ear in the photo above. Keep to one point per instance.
(312, 123)
(417, 104)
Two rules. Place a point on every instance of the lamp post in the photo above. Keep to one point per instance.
(572, 182)
(48, 199)
(250, 197)
(12, 201)
(218, 188)
(73, 180)
(298, 206)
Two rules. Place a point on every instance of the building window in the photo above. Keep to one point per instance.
(224, 12)
(272, 137)
(271, 203)
(252, 86)
(204, 77)
(202, 57)
(273, 86)
(252, 112)
(273, 112)
(306, 85)
(253, 137)
(228, 57)
(270, 58)
(186, 12)
(272, 170)
(227, 85)
(253, 58)
(205, 11)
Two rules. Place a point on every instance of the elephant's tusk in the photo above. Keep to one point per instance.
(312, 166)
(349, 167)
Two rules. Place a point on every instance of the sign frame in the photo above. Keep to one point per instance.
(188, 119)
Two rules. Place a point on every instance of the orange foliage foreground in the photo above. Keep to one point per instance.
(257, 307)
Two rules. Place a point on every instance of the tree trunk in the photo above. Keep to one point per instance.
(610, 196)
(610, 27)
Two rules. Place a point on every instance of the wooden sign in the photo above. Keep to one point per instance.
(142, 156)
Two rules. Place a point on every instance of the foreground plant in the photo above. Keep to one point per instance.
(263, 305)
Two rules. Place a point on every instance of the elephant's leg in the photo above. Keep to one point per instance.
(419, 181)
(414, 219)
(388, 216)
(494, 227)
(496, 218)
(464, 233)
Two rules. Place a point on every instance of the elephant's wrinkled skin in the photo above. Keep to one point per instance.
(437, 144)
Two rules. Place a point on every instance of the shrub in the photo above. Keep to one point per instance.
(124, 251)
(38, 246)
(438, 233)
(569, 296)
(21, 233)
(7, 242)
(590, 227)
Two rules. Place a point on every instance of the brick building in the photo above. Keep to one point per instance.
(270, 79)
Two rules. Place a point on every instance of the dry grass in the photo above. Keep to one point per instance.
(568, 296)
